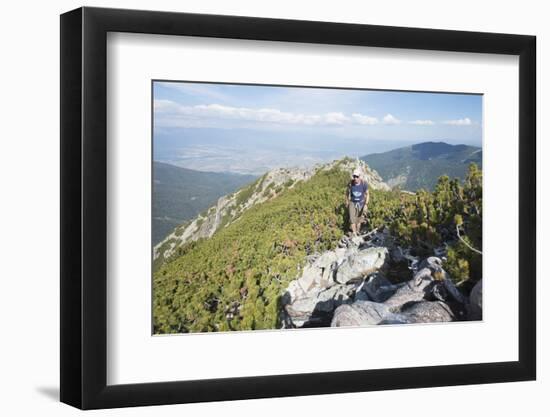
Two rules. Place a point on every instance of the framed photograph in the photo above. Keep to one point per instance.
(257, 207)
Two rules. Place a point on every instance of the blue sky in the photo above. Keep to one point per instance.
(322, 123)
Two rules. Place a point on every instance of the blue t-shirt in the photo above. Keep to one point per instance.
(358, 192)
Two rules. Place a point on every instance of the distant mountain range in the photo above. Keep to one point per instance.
(180, 194)
(419, 166)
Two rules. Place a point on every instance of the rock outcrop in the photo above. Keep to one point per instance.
(475, 302)
(361, 264)
(348, 287)
(363, 313)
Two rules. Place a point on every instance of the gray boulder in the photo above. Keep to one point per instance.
(431, 282)
(428, 312)
(326, 259)
(361, 264)
(368, 313)
(320, 272)
(433, 263)
(361, 296)
(378, 288)
(299, 312)
(413, 291)
(362, 313)
(475, 310)
(315, 306)
(311, 276)
(436, 292)
(395, 320)
(331, 298)
(347, 287)
(293, 292)
(454, 293)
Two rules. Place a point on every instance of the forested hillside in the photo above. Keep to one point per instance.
(179, 194)
(420, 165)
(237, 278)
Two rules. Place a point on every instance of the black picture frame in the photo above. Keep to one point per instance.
(83, 312)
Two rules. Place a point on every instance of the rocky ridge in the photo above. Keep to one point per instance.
(369, 280)
(229, 208)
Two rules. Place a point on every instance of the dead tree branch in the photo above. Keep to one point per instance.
(466, 243)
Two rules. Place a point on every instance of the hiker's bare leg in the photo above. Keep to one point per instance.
(354, 228)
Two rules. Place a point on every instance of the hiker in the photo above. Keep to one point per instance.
(357, 199)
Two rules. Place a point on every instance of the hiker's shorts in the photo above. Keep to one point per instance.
(355, 214)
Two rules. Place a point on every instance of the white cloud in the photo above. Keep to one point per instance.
(459, 122)
(422, 122)
(176, 114)
(197, 90)
(164, 106)
(170, 113)
(364, 120)
(390, 120)
(336, 118)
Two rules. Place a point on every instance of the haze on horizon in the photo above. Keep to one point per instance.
(251, 129)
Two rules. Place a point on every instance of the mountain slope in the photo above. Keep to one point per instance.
(230, 207)
(179, 194)
(419, 166)
(233, 279)
(241, 277)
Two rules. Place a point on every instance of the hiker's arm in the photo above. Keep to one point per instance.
(367, 199)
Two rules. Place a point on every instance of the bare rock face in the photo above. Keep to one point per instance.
(428, 312)
(378, 288)
(426, 298)
(370, 175)
(368, 313)
(412, 291)
(362, 264)
(316, 307)
(331, 279)
(361, 313)
(348, 287)
(365, 313)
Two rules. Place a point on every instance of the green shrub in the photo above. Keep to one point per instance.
(261, 253)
